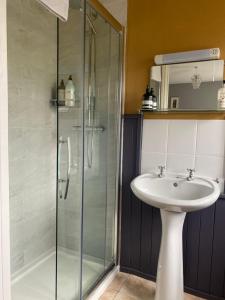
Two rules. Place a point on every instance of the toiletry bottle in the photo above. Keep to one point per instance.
(154, 99)
(221, 97)
(147, 100)
(70, 92)
(61, 91)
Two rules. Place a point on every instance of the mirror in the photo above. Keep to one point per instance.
(195, 86)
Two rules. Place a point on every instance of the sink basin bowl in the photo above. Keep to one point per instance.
(175, 193)
(175, 196)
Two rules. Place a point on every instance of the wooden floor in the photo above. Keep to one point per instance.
(130, 287)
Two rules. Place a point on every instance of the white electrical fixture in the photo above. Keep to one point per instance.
(187, 56)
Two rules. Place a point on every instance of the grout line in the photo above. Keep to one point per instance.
(195, 149)
(116, 294)
(167, 141)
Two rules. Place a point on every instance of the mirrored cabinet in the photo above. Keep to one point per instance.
(193, 87)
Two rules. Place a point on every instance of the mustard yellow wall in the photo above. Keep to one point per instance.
(165, 26)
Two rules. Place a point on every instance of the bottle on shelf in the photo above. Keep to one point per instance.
(147, 100)
(70, 92)
(221, 97)
(154, 99)
(61, 91)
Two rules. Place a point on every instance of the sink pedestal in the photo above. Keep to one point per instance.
(169, 285)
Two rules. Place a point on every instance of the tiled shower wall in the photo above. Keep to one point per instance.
(182, 144)
(32, 62)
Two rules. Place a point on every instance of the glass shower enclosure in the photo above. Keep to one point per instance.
(64, 178)
(89, 143)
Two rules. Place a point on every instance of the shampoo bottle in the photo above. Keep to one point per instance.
(70, 92)
(61, 91)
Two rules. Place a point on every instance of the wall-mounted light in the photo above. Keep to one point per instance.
(187, 56)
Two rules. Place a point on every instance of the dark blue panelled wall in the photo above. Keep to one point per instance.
(203, 237)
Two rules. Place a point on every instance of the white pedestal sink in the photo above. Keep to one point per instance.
(174, 196)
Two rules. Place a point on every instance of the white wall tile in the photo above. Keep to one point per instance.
(210, 166)
(155, 136)
(189, 144)
(182, 136)
(179, 162)
(211, 138)
(151, 161)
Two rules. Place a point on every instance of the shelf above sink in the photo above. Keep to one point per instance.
(184, 115)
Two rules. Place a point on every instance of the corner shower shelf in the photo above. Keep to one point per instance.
(63, 108)
(61, 105)
(90, 128)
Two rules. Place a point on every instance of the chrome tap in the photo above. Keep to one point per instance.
(191, 174)
(161, 171)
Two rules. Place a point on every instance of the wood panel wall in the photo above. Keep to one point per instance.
(203, 236)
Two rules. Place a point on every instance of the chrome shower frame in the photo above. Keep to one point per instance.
(91, 90)
(99, 8)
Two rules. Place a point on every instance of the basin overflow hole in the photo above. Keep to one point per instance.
(175, 184)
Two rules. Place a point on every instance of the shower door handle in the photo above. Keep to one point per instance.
(68, 167)
(67, 180)
(60, 180)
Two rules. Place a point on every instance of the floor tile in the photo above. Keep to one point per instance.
(191, 297)
(121, 296)
(130, 287)
(109, 295)
(138, 288)
(118, 282)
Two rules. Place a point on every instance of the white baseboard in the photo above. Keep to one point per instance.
(103, 285)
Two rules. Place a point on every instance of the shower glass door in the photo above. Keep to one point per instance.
(88, 151)
(70, 154)
(101, 147)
